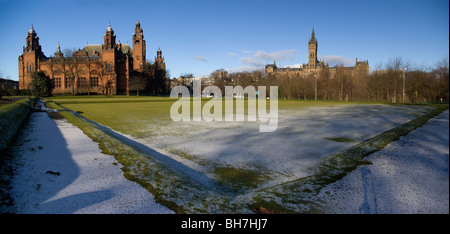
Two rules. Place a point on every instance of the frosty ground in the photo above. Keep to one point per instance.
(410, 175)
(61, 170)
(233, 153)
(237, 155)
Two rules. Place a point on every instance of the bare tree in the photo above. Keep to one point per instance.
(72, 68)
(138, 82)
(394, 66)
(441, 76)
(106, 76)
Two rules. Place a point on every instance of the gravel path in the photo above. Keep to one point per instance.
(410, 175)
(61, 170)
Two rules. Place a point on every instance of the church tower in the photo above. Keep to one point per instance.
(312, 49)
(138, 48)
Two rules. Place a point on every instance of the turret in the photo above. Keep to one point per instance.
(109, 39)
(138, 47)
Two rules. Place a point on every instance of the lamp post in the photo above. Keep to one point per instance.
(315, 89)
(404, 76)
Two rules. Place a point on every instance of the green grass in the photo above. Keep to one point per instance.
(111, 111)
(239, 179)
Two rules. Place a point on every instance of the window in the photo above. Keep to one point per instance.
(82, 82)
(57, 82)
(108, 67)
(67, 82)
(94, 82)
(30, 68)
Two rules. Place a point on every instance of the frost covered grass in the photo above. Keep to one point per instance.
(229, 167)
(169, 187)
(301, 195)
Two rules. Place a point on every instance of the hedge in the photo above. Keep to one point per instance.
(11, 118)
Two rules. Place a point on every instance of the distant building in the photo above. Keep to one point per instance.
(314, 66)
(97, 68)
(8, 84)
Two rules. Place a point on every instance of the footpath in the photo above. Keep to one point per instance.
(409, 176)
(60, 170)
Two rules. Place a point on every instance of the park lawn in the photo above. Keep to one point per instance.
(114, 110)
(241, 160)
(232, 151)
(127, 114)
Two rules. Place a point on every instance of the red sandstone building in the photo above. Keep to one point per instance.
(97, 68)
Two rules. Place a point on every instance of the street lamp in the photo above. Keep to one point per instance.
(404, 76)
(315, 89)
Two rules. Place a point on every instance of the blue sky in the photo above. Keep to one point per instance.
(200, 36)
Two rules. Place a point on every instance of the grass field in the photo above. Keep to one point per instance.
(234, 158)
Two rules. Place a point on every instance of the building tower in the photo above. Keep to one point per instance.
(109, 58)
(159, 60)
(109, 39)
(58, 52)
(138, 48)
(312, 49)
(29, 59)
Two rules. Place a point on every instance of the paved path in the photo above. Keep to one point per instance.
(61, 170)
(410, 175)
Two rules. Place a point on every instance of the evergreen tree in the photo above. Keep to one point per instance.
(41, 85)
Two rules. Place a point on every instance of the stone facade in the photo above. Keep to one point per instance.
(97, 68)
(314, 66)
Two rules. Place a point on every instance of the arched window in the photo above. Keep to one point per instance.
(108, 67)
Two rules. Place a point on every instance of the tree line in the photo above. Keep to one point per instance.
(396, 82)
(151, 80)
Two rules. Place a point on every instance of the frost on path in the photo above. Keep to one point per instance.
(61, 170)
(410, 175)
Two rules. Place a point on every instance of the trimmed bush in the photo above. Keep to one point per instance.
(11, 118)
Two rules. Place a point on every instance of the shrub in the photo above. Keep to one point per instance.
(11, 118)
(41, 84)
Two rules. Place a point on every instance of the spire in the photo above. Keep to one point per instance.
(313, 37)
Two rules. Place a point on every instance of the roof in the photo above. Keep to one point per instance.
(92, 49)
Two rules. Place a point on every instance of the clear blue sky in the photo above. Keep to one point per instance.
(200, 36)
